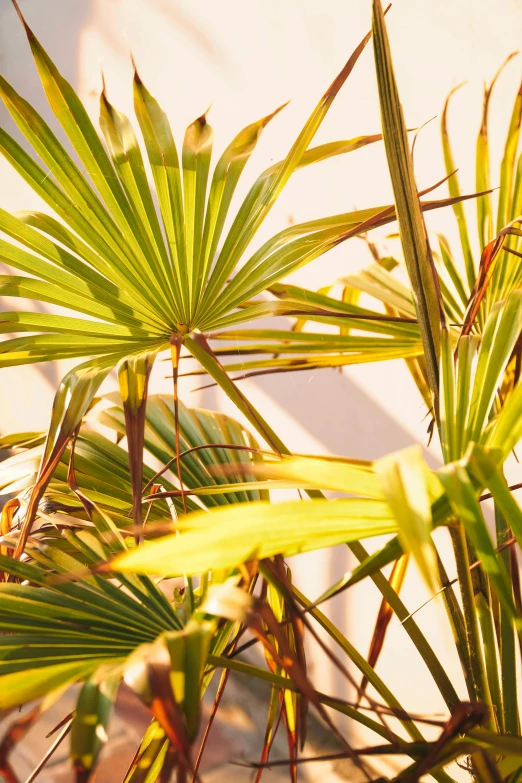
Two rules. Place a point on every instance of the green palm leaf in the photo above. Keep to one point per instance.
(111, 262)
(103, 473)
(228, 537)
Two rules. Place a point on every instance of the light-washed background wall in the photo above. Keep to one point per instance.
(246, 58)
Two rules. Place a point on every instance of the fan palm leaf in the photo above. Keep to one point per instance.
(102, 467)
(146, 280)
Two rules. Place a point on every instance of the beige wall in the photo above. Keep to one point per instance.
(245, 58)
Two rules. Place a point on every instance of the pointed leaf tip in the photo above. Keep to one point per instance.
(202, 119)
(137, 77)
(22, 19)
(271, 116)
(489, 90)
(455, 89)
(341, 77)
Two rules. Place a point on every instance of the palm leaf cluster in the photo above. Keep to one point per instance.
(124, 494)
(146, 279)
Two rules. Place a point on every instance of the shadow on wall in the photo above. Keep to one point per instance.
(334, 410)
(346, 421)
(193, 30)
(59, 29)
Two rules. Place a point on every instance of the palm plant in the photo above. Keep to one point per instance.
(147, 282)
(82, 595)
(87, 514)
(468, 375)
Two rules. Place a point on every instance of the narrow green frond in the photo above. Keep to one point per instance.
(165, 165)
(253, 214)
(225, 538)
(454, 190)
(126, 154)
(196, 155)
